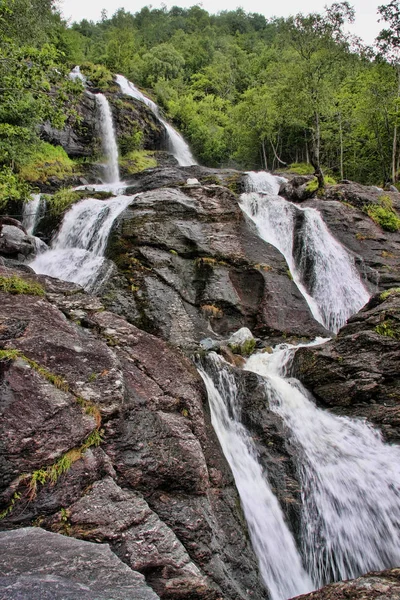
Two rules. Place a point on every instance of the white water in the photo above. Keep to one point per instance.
(334, 290)
(76, 74)
(350, 480)
(77, 252)
(176, 144)
(32, 212)
(279, 560)
(109, 142)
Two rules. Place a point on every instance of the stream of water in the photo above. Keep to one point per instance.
(321, 267)
(176, 144)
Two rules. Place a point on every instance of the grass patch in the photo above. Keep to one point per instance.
(137, 160)
(386, 294)
(300, 168)
(53, 472)
(383, 214)
(17, 285)
(44, 162)
(61, 201)
(389, 328)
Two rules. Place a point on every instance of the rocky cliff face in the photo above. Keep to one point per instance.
(106, 437)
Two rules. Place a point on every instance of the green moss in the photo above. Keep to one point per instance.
(17, 285)
(312, 186)
(384, 217)
(62, 200)
(389, 328)
(44, 162)
(301, 168)
(388, 293)
(137, 160)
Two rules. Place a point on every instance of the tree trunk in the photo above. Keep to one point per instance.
(315, 152)
(394, 148)
(341, 146)
(264, 155)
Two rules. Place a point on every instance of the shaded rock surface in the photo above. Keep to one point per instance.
(191, 266)
(357, 374)
(38, 564)
(384, 585)
(157, 488)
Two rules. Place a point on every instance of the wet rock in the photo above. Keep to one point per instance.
(357, 373)
(78, 137)
(373, 586)
(295, 189)
(14, 242)
(38, 564)
(194, 268)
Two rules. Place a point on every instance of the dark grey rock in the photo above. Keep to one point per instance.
(35, 562)
(373, 586)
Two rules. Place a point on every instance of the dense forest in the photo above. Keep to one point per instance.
(246, 91)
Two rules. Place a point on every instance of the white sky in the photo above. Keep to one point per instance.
(366, 25)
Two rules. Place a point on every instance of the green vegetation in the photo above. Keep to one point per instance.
(312, 186)
(137, 160)
(244, 349)
(16, 285)
(246, 91)
(389, 328)
(53, 472)
(61, 201)
(301, 168)
(386, 294)
(46, 161)
(383, 214)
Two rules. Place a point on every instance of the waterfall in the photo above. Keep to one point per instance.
(32, 212)
(273, 543)
(321, 267)
(176, 144)
(109, 142)
(77, 252)
(76, 74)
(350, 480)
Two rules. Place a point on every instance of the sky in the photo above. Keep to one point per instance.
(366, 25)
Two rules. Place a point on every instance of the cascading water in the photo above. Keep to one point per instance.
(350, 480)
(322, 269)
(279, 560)
(76, 74)
(109, 142)
(32, 212)
(77, 252)
(176, 144)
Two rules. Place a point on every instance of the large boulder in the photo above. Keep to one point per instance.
(357, 374)
(191, 266)
(373, 586)
(38, 564)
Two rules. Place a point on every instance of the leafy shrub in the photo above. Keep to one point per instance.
(131, 142)
(12, 188)
(98, 75)
(44, 162)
